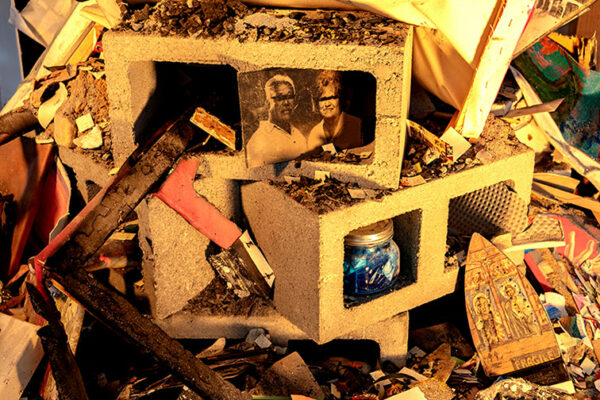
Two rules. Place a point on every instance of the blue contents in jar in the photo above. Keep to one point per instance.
(370, 269)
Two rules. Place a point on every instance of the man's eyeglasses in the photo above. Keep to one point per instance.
(284, 98)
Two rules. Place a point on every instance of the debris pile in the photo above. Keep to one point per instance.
(217, 269)
(217, 18)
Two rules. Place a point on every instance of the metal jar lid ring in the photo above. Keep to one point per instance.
(371, 235)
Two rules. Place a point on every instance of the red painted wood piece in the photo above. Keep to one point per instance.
(179, 194)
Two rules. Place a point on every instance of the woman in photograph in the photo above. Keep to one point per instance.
(337, 127)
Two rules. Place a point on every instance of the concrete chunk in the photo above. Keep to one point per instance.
(179, 269)
(288, 376)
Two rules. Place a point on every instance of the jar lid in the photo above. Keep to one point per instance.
(371, 235)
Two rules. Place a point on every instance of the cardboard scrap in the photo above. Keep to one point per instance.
(20, 354)
(457, 142)
(91, 140)
(84, 122)
(357, 193)
(48, 109)
(329, 147)
(412, 181)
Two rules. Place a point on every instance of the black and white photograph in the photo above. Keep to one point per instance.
(289, 113)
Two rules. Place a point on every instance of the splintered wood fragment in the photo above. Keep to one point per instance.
(420, 133)
(565, 197)
(562, 182)
(214, 127)
(65, 371)
(550, 106)
(510, 328)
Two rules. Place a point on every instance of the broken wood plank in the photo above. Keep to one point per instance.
(65, 371)
(107, 210)
(510, 21)
(110, 308)
(87, 232)
(559, 181)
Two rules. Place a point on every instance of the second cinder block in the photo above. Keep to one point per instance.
(306, 249)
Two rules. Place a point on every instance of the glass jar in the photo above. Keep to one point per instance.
(371, 259)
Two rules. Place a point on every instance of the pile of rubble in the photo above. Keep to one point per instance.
(133, 198)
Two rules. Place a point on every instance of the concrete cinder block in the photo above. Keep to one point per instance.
(391, 334)
(134, 93)
(306, 250)
(176, 267)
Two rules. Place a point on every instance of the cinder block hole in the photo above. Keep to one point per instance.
(407, 235)
(484, 210)
(163, 91)
(366, 351)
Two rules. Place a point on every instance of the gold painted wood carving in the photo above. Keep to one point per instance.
(510, 328)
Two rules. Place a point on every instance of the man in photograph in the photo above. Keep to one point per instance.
(276, 139)
(337, 127)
